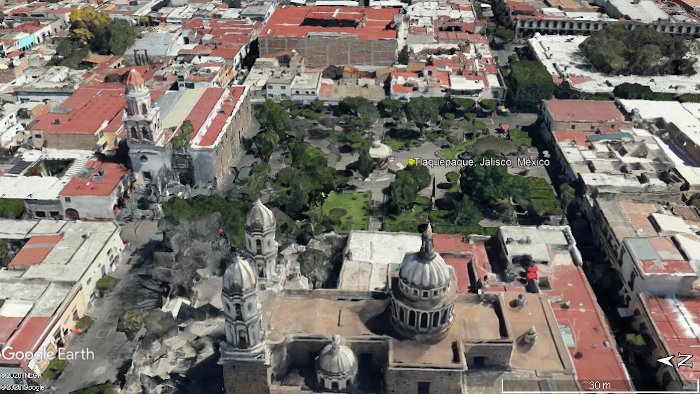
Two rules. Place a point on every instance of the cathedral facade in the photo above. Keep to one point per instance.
(419, 336)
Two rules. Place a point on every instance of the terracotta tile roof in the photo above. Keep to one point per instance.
(102, 180)
(288, 21)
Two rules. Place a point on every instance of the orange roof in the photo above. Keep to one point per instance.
(101, 181)
(85, 110)
(134, 78)
(219, 121)
(372, 23)
(35, 250)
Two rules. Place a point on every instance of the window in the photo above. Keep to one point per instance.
(88, 281)
(425, 294)
(258, 246)
(40, 214)
(134, 133)
(67, 199)
(239, 312)
(633, 277)
(573, 127)
(147, 175)
(53, 214)
(423, 387)
(37, 135)
(423, 320)
(146, 133)
(334, 386)
(436, 319)
(478, 362)
(411, 318)
(75, 314)
(143, 158)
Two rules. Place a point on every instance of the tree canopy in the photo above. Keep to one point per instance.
(391, 108)
(272, 116)
(182, 138)
(643, 51)
(423, 111)
(266, 142)
(408, 182)
(85, 21)
(530, 84)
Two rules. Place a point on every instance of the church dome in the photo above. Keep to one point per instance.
(134, 80)
(336, 359)
(260, 217)
(240, 277)
(425, 270)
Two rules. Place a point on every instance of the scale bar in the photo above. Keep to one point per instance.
(697, 391)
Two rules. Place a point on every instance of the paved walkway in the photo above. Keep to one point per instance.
(112, 350)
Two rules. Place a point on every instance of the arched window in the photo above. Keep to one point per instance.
(334, 386)
(146, 133)
(239, 312)
(401, 314)
(144, 109)
(242, 340)
(134, 133)
(411, 318)
(423, 320)
(436, 319)
(258, 246)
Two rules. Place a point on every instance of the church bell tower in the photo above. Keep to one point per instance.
(244, 354)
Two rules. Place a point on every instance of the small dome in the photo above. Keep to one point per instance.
(260, 217)
(425, 269)
(336, 359)
(134, 80)
(240, 277)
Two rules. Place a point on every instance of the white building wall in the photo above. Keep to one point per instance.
(655, 284)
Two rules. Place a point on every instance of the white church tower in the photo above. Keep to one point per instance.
(260, 243)
(244, 354)
(149, 157)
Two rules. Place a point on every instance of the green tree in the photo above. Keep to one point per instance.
(466, 213)
(333, 72)
(130, 322)
(11, 208)
(566, 195)
(421, 174)
(488, 105)
(485, 184)
(530, 83)
(317, 105)
(639, 92)
(391, 108)
(365, 162)
(182, 139)
(422, 111)
(403, 191)
(463, 105)
(362, 111)
(266, 143)
(505, 34)
(272, 116)
(297, 199)
(643, 51)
